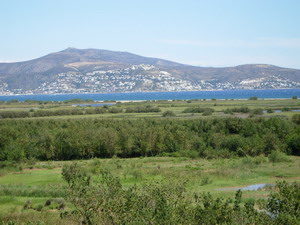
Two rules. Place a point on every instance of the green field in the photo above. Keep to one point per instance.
(176, 106)
(217, 152)
(43, 180)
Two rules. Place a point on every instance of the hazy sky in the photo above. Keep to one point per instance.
(198, 32)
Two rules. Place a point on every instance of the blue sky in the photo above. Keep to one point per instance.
(197, 32)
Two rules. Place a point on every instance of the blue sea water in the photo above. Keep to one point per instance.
(226, 94)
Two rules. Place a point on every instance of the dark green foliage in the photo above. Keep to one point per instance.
(284, 204)
(13, 114)
(47, 139)
(253, 98)
(198, 110)
(296, 119)
(277, 156)
(237, 110)
(109, 202)
(294, 144)
(257, 112)
(142, 109)
(168, 114)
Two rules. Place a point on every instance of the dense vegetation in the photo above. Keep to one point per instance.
(108, 202)
(46, 139)
(216, 145)
(75, 111)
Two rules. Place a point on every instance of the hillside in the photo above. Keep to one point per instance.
(92, 70)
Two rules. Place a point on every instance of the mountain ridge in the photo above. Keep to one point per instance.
(92, 70)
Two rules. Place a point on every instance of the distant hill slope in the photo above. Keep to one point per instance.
(93, 70)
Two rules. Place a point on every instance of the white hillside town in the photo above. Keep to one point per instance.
(141, 78)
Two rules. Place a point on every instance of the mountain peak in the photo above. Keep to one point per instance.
(96, 70)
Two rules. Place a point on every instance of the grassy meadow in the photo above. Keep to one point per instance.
(33, 191)
(42, 181)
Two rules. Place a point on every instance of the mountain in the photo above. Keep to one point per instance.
(92, 70)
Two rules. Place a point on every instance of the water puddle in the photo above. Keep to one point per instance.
(253, 187)
(94, 104)
(279, 110)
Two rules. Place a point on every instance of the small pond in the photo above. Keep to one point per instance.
(253, 187)
(279, 110)
(94, 104)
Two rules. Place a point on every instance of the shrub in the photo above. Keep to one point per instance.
(207, 113)
(253, 98)
(238, 110)
(294, 144)
(286, 109)
(284, 203)
(142, 109)
(277, 156)
(296, 119)
(257, 112)
(168, 114)
(27, 205)
(197, 110)
(205, 181)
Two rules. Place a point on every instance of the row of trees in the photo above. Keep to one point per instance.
(76, 111)
(86, 138)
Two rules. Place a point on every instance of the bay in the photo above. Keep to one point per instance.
(182, 95)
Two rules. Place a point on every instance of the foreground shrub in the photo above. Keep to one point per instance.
(108, 202)
(284, 204)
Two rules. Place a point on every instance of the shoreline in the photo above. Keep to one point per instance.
(241, 94)
(138, 92)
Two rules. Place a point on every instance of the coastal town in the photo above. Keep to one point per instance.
(139, 78)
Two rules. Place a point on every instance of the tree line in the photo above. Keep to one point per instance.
(75, 111)
(47, 139)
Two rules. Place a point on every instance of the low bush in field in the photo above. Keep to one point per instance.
(256, 112)
(237, 110)
(168, 114)
(296, 119)
(277, 156)
(198, 110)
(142, 109)
(32, 191)
(13, 114)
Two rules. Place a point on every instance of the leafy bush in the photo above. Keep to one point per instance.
(142, 109)
(237, 110)
(168, 114)
(257, 112)
(198, 110)
(284, 203)
(294, 144)
(277, 156)
(253, 98)
(296, 119)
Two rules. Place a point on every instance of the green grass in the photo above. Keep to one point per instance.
(200, 175)
(176, 106)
